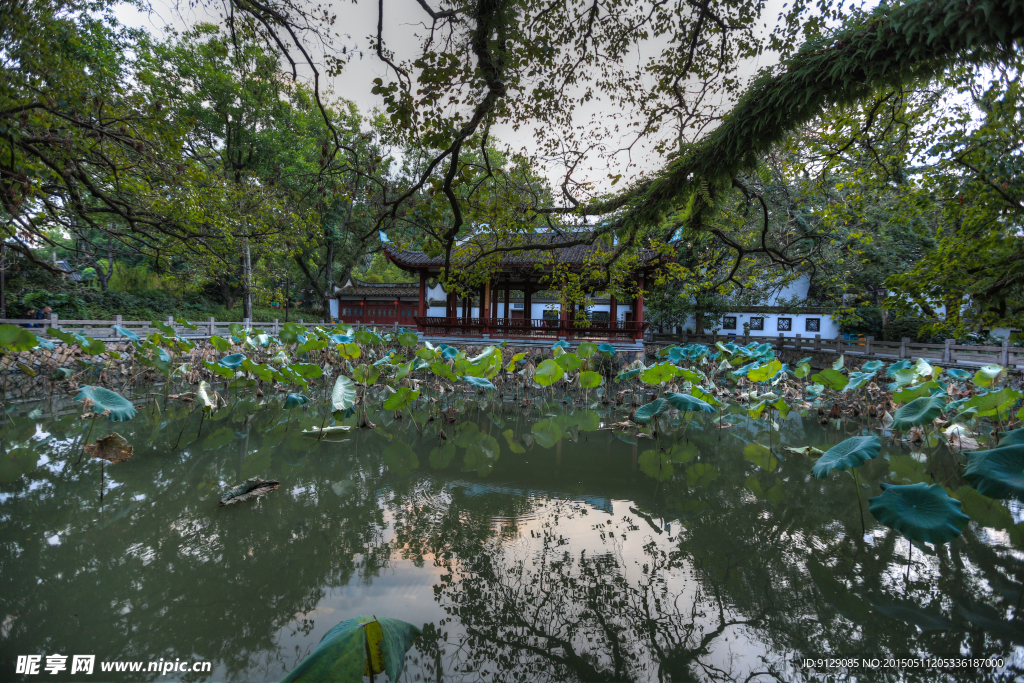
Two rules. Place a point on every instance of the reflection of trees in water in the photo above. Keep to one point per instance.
(159, 571)
(749, 579)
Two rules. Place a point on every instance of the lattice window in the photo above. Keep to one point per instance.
(785, 325)
(729, 322)
(812, 325)
(757, 323)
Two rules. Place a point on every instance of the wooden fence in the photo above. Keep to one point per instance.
(104, 329)
(948, 354)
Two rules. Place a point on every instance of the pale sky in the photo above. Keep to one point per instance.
(357, 21)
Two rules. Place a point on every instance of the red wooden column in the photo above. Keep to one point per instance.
(422, 311)
(508, 313)
(613, 316)
(638, 316)
(527, 307)
(398, 310)
(563, 320)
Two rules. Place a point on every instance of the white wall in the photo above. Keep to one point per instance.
(334, 307)
(536, 312)
(829, 328)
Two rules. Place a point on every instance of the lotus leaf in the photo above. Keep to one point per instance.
(872, 366)
(91, 346)
(857, 380)
(686, 403)
(586, 350)
(408, 339)
(608, 349)
(765, 372)
(649, 411)
(920, 411)
(701, 474)
(994, 402)
(853, 452)
(107, 402)
(560, 344)
(590, 379)
(547, 433)
(988, 375)
(479, 382)
(958, 374)
(15, 339)
(311, 345)
(16, 462)
(570, 362)
(626, 375)
(164, 328)
(923, 513)
(343, 395)
(658, 374)
(833, 379)
(233, 361)
(548, 373)
(802, 370)
(656, 464)
(999, 472)
(341, 656)
(113, 448)
(296, 400)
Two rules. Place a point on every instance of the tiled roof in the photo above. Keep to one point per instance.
(356, 287)
(576, 254)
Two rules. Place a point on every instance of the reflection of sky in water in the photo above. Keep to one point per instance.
(561, 562)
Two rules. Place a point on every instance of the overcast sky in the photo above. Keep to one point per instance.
(357, 21)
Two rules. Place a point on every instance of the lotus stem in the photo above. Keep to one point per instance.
(860, 505)
(88, 433)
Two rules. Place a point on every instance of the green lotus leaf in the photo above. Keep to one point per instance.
(993, 402)
(920, 411)
(802, 370)
(833, 379)
(701, 474)
(365, 374)
(649, 411)
(590, 379)
(999, 472)
(107, 402)
(705, 395)
(586, 350)
(306, 370)
(547, 433)
(401, 399)
(426, 354)
(688, 404)
(560, 344)
(343, 395)
(226, 373)
(895, 368)
(987, 376)
(548, 373)
(872, 366)
(164, 328)
(442, 370)
(357, 647)
(911, 393)
(626, 375)
(233, 361)
(853, 452)
(857, 380)
(689, 375)
(763, 373)
(570, 362)
(311, 345)
(479, 382)
(608, 349)
(366, 337)
(127, 334)
(220, 343)
(656, 464)
(62, 374)
(958, 374)
(658, 374)
(921, 512)
(92, 347)
(15, 339)
(295, 400)
(408, 339)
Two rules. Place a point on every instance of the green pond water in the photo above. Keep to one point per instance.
(530, 545)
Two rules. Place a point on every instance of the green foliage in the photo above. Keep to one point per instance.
(999, 472)
(852, 452)
(107, 403)
(923, 513)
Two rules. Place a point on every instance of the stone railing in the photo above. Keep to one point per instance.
(948, 354)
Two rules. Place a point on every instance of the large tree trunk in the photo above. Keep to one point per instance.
(228, 293)
(247, 279)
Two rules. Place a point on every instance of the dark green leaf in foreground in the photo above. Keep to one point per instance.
(647, 412)
(999, 472)
(687, 403)
(107, 402)
(341, 657)
(920, 411)
(921, 512)
(853, 452)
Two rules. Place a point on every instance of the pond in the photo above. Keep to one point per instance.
(529, 542)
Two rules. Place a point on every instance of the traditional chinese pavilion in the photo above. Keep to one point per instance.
(491, 311)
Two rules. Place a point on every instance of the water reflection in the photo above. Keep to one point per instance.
(533, 545)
